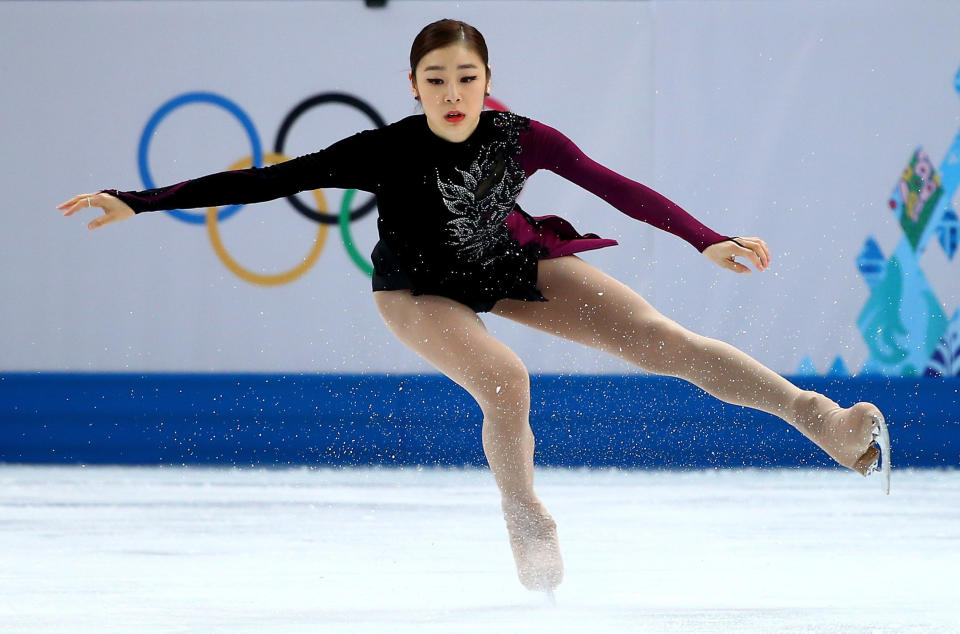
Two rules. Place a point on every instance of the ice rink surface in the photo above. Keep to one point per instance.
(174, 549)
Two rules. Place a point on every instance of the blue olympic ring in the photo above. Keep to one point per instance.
(182, 100)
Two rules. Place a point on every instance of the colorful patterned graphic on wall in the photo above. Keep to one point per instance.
(903, 323)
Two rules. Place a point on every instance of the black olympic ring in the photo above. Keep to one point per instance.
(290, 119)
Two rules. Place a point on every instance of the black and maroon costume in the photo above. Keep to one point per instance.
(449, 223)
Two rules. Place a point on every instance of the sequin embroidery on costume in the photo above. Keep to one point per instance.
(488, 194)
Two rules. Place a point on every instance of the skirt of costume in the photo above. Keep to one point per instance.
(550, 235)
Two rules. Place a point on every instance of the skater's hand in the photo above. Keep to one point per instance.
(114, 209)
(754, 249)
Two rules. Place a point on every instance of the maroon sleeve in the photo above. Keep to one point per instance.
(546, 148)
(351, 163)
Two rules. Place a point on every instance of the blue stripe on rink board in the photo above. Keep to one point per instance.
(329, 420)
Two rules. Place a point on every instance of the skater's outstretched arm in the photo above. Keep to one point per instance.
(351, 163)
(547, 148)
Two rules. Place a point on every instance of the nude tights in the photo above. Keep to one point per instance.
(586, 306)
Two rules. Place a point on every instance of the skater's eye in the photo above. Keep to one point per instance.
(435, 81)
(469, 79)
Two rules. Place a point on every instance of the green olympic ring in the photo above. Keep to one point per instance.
(351, 248)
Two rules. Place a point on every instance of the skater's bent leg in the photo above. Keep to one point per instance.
(452, 338)
(590, 307)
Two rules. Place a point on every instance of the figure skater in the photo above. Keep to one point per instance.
(454, 243)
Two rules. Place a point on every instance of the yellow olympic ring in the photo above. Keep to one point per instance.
(267, 279)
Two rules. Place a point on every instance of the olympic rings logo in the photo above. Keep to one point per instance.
(257, 158)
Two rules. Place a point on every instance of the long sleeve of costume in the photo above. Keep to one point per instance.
(546, 148)
(351, 163)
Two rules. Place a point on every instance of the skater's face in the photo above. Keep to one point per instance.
(451, 83)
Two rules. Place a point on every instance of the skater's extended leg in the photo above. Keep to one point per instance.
(590, 307)
(452, 338)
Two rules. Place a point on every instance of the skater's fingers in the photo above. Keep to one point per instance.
(66, 204)
(105, 219)
(75, 204)
(735, 266)
(766, 250)
(75, 207)
(754, 249)
(69, 206)
(751, 255)
(759, 247)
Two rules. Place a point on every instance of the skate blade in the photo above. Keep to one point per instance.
(881, 436)
(551, 599)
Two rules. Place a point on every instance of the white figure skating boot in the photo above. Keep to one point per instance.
(856, 437)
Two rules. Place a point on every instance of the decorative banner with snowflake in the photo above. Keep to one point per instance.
(903, 323)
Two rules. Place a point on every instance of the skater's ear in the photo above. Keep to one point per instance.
(413, 85)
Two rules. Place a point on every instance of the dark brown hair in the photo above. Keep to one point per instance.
(444, 33)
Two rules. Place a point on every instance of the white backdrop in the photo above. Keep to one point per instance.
(788, 120)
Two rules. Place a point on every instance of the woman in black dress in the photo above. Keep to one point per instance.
(454, 243)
